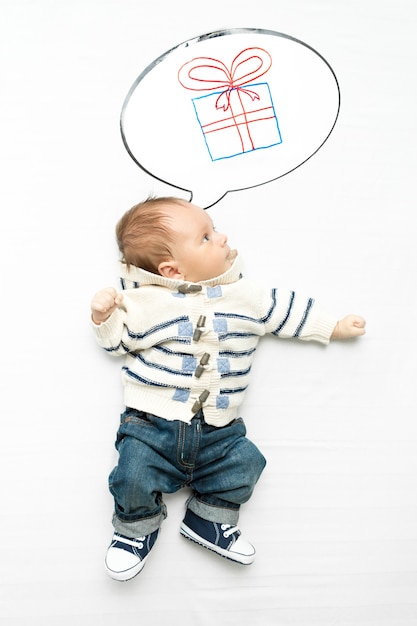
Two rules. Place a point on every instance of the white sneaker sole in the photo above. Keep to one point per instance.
(128, 574)
(243, 559)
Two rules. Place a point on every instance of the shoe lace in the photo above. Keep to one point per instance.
(130, 545)
(228, 530)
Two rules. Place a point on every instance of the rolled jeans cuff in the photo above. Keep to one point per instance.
(212, 512)
(139, 528)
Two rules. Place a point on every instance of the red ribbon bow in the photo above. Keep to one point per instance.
(207, 74)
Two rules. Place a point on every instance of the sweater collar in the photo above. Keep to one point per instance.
(136, 276)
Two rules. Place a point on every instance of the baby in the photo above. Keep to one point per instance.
(187, 324)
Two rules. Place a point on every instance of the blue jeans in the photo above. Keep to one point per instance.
(158, 456)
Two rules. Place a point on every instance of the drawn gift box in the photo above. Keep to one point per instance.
(248, 122)
(238, 116)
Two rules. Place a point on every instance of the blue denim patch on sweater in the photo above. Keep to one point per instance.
(181, 395)
(214, 292)
(185, 329)
(222, 402)
(220, 325)
(223, 365)
(189, 363)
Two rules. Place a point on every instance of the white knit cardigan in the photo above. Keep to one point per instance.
(190, 345)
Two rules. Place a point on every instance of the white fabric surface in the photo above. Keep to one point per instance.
(334, 517)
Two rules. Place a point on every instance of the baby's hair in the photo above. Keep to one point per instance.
(144, 233)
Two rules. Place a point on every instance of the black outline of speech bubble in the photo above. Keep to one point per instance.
(212, 35)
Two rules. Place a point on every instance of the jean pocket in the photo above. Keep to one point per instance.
(135, 416)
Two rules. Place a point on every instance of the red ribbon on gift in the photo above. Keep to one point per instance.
(208, 74)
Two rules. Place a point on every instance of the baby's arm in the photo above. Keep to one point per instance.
(348, 327)
(104, 303)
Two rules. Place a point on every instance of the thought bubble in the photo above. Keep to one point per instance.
(230, 110)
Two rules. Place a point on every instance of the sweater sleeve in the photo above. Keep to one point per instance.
(319, 327)
(293, 316)
(109, 334)
(143, 319)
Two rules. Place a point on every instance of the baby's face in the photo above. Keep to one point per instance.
(200, 252)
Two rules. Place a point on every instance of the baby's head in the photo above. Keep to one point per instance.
(174, 238)
(144, 234)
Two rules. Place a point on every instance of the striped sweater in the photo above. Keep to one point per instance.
(188, 346)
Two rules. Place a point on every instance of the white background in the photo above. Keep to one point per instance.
(334, 516)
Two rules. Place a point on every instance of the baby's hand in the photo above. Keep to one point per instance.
(104, 303)
(348, 327)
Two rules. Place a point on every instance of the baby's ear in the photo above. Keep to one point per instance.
(169, 269)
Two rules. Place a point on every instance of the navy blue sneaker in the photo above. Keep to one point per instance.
(127, 557)
(224, 539)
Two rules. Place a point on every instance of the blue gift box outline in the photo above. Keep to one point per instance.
(229, 156)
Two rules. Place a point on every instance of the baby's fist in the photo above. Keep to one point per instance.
(348, 327)
(104, 303)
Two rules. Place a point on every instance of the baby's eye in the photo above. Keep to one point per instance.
(206, 238)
